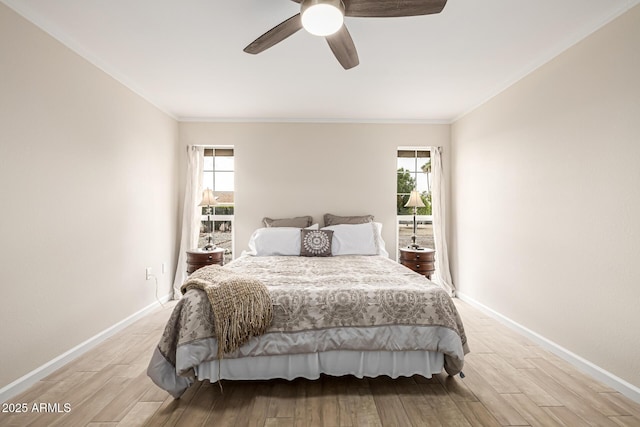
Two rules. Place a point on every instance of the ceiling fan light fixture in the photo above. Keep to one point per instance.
(322, 17)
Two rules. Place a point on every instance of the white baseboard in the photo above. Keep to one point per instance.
(26, 381)
(602, 375)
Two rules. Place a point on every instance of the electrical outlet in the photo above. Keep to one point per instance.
(148, 273)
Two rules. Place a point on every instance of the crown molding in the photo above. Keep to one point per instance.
(549, 56)
(312, 120)
(22, 9)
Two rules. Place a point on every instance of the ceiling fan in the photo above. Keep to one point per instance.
(325, 18)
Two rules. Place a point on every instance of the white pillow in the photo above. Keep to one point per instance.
(271, 241)
(357, 239)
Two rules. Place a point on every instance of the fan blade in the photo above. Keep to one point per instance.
(391, 8)
(275, 35)
(342, 46)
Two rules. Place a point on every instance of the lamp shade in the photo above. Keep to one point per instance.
(322, 17)
(208, 199)
(415, 200)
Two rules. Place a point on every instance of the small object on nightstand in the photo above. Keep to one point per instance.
(415, 202)
(198, 258)
(421, 260)
(209, 200)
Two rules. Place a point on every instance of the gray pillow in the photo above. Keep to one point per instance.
(299, 221)
(330, 219)
(315, 242)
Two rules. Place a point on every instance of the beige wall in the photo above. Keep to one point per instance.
(88, 194)
(546, 207)
(291, 169)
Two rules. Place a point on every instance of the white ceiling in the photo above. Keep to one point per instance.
(186, 56)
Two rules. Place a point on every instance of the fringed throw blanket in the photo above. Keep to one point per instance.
(241, 305)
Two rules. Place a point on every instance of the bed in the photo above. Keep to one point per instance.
(362, 315)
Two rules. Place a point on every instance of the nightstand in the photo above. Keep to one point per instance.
(422, 260)
(198, 258)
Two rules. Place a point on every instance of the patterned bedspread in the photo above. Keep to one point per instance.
(314, 295)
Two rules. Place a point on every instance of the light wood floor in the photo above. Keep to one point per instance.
(509, 381)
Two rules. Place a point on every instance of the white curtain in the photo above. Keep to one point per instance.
(190, 214)
(442, 275)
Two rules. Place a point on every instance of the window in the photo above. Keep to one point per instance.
(218, 174)
(414, 172)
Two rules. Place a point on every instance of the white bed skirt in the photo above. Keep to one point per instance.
(337, 363)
